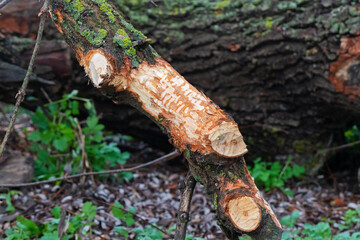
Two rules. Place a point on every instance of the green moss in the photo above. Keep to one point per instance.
(106, 8)
(122, 40)
(95, 38)
(232, 176)
(269, 22)
(302, 146)
(78, 6)
(197, 178)
(280, 141)
(75, 8)
(187, 153)
(138, 35)
(220, 6)
(286, 5)
(215, 201)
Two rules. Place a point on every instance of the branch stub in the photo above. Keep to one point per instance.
(244, 213)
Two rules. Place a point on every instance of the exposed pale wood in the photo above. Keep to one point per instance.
(244, 213)
(99, 67)
(192, 118)
(227, 140)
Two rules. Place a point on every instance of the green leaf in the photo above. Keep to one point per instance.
(74, 107)
(122, 231)
(71, 95)
(31, 227)
(40, 119)
(126, 175)
(61, 144)
(89, 210)
(31, 98)
(132, 210)
(97, 138)
(56, 212)
(92, 121)
(129, 220)
(47, 136)
(34, 136)
(54, 109)
(288, 192)
(117, 211)
(290, 221)
(88, 105)
(298, 170)
(50, 236)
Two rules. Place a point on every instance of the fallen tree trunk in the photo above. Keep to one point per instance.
(123, 66)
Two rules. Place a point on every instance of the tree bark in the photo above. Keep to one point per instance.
(281, 69)
(121, 63)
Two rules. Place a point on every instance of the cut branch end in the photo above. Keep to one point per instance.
(227, 140)
(244, 213)
(99, 68)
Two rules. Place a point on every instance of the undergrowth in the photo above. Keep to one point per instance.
(79, 226)
(65, 144)
(272, 175)
(319, 231)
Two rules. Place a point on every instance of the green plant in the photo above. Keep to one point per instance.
(62, 140)
(148, 233)
(352, 134)
(26, 229)
(273, 175)
(351, 218)
(7, 196)
(320, 231)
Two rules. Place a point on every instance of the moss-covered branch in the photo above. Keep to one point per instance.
(123, 66)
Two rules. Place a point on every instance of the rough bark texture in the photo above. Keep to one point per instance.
(123, 66)
(280, 68)
(16, 169)
(286, 70)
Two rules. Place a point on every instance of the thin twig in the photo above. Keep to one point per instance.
(184, 207)
(322, 153)
(134, 214)
(21, 94)
(164, 158)
(84, 158)
(3, 3)
(153, 3)
(46, 95)
(343, 146)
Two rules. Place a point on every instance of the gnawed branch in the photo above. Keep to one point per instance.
(123, 66)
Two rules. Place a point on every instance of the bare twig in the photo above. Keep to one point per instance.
(21, 94)
(153, 3)
(321, 155)
(343, 146)
(62, 224)
(184, 207)
(84, 158)
(46, 95)
(164, 158)
(3, 3)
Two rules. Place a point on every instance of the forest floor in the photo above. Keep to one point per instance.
(153, 192)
